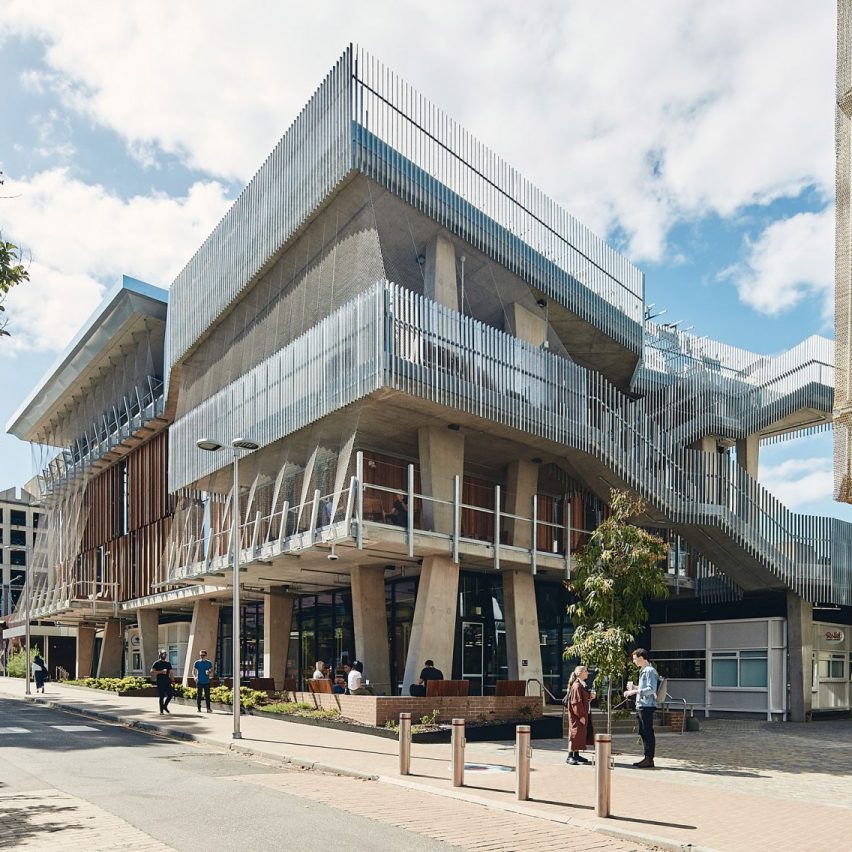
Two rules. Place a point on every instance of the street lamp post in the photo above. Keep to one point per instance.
(28, 592)
(211, 445)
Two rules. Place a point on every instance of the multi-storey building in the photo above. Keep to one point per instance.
(105, 507)
(445, 375)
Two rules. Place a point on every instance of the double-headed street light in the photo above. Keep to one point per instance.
(28, 554)
(210, 445)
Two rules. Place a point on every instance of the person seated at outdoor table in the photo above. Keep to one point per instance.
(429, 672)
(399, 515)
(355, 680)
(320, 671)
(339, 686)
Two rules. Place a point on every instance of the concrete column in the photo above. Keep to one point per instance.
(526, 325)
(369, 616)
(202, 636)
(441, 458)
(112, 649)
(148, 622)
(277, 621)
(707, 444)
(85, 650)
(433, 632)
(519, 609)
(748, 450)
(523, 652)
(439, 272)
(800, 650)
(521, 484)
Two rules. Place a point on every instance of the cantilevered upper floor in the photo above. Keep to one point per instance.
(365, 178)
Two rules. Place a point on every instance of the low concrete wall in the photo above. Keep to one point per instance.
(376, 710)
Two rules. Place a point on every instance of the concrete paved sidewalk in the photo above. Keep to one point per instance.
(732, 786)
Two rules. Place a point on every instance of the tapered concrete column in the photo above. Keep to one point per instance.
(112, 649)
(523, 652)
(369, 616)
(441, 459)
(748, 450)
(707, 444)
(521, 485)
(148, 622)
(85, 650)
(800, 650)
(203, 632)
(525, 324)
(433, 632)
(277, 621)
(439, 272)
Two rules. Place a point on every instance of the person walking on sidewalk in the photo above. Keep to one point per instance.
(646, 703)
(579, 702)
(202, 670)
(39, 672)
(162, 670)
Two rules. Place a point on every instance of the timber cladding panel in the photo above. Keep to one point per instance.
(129, 516)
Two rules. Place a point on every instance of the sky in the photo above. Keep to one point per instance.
(696, 137)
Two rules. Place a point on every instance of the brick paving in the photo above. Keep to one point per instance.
(51, 819)
(731, 786)
(458, 822)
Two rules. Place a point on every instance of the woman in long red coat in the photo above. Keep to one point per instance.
(579, 700)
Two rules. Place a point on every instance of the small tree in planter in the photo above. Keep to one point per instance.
(614, 574)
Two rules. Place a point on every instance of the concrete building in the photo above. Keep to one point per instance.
(445, 374)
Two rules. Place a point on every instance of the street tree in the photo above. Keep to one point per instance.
(613, 576)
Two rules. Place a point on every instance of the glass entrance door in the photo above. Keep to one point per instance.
(473, 660)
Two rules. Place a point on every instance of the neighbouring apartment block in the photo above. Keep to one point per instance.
(445, 374)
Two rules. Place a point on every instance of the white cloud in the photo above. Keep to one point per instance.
(800, 482)
(82, 238)
(636, 115)
(791, 259)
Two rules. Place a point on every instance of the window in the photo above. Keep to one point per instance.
(740, 669)
(18, 538)
(17, 557)
(832, 668)
(17, 518)
(681, 665)
(36, 517)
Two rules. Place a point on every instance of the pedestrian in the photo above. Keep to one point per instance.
(646, 703)
(202, 670)
(429, 672)
(355, 679)
(339, 687)
(581, 733)
(162, 670)
(39, 672)
(320, 671)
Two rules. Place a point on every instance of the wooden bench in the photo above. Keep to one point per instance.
(320, 687)
(447, 688)
(510, 688)
(289, 684)
(262, 684)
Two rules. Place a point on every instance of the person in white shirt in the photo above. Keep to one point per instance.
(355, 679)
(320, 671)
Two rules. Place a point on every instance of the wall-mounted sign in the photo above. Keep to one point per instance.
(134, 640)
(833, 635)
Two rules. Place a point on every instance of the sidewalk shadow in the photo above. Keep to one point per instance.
(699, 770)
(36, 821)
(658, 822)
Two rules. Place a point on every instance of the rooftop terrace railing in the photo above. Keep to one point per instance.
(392, 337)
(696, 386)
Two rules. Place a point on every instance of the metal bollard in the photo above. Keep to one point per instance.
(523, 754)
(405, 743)
(603, 774)
(458, 752)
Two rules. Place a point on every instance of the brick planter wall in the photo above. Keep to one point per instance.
(376, 710)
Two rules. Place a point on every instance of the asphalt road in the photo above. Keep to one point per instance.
(184, 795)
